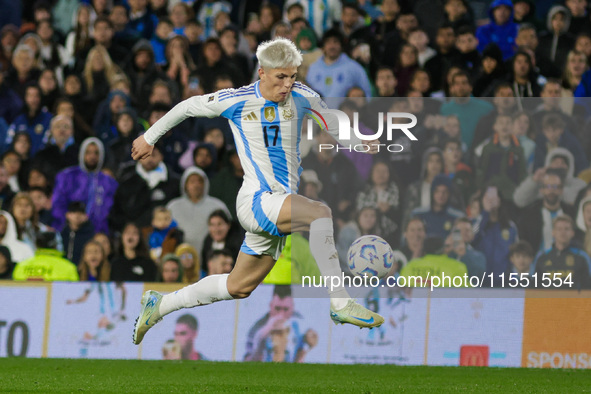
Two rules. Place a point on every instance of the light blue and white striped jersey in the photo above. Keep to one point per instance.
(266, 133)
(321, 14)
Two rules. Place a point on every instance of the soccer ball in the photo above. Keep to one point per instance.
(370, 255)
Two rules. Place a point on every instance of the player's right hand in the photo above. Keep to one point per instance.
(141, 149)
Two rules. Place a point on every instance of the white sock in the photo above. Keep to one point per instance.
(323, 249)
(208, 290)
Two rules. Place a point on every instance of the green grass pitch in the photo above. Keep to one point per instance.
(61, 375)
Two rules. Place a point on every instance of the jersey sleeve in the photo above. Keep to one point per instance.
(332, 122)
(207, 106)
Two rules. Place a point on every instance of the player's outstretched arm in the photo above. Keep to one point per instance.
(197, 106)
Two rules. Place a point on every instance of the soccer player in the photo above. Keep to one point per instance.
(264, 118)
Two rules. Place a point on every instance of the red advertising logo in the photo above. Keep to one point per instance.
(474, 356)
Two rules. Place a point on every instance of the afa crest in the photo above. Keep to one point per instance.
(269, 114)
(288, 114)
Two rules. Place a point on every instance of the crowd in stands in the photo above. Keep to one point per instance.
(497, 182)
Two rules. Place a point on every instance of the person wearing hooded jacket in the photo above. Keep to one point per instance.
(85, 183)
(106, 115)
(8, 237)
(556, 42)
(142, 72)
(439, 217)
(191, 211)
(528, 191)
(501, 30)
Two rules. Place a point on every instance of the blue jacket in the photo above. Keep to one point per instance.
(159, 46)
(10, 104)
(503, 35)
(144, 25)
(494, 242)
(37, 128)
(336, 80)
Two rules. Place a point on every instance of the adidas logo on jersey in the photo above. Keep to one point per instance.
(250, 116)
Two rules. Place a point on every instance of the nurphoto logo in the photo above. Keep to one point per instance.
(344, 126)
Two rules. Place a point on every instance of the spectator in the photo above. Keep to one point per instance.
(171, 269)
(492, 69)
(35, 120)
(502, 162)
(9, 237)
(535, 225)
(106, 115)
(221, 235)
(446, 56)
(141, 19)
(495, 233)
(21, 145)
(24, 70)
(104, 240)
(133, 263)
(501, 30)
(78, 231)
(213, 65)
(220, 262)
(27, 222)
(142, 73)
(405, 67)
(466, 43)
(161, 36)
(61, 150)
(308, 45)
(419, 39)
(163, 227)
(179, 64)
(103, 35)
(191, 266)
(383, 193)
(418, 193)
(523, 79)
(557, 42)
(504, 104)
(180, 14)
(53, 54)
(529, 190)
(457, 246)
(6, 264)
(521, 256)
(562, 259)
(99, 74)
(522, 130)
(10, 102)
(94, 266)
(193, 208)
(554, 135)
(527, 39)
(42, 201)
(209, 9)
(79, 39)
(12, 162)
(459, 173)
(335, 73)
(148, 184)
(322, 15)
(47, 264)
(173, 143)
(439, 217)
(413, 241)
(127, 131)
(468, 109)
(85, 183)
(576, 65)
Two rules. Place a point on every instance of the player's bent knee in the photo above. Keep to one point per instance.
(322, 211)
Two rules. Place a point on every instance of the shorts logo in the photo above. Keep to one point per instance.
(270, 114)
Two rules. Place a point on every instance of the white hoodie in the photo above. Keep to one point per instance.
(192, 217)
(19, 250)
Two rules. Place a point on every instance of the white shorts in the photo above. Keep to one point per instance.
(258, 212)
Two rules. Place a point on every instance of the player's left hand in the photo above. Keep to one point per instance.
(373, 145)
(140, 148)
